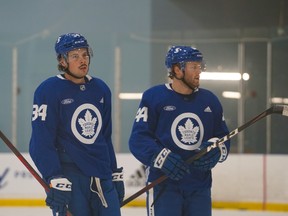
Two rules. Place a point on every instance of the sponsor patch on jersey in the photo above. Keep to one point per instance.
(67, 101)
(169, 108)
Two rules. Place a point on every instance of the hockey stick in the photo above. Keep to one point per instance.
(277, 109)
(26, 164)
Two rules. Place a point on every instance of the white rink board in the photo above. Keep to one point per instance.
(239, 179)
(251, 178)
(277, 186)
(16, 181)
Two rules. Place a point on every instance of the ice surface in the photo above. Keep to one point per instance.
(128, 211)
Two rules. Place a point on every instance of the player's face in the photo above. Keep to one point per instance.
(78, 62)
(192, 73)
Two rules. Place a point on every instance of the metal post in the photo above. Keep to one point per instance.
(241, 63)
(269, 87)
(14, 81)
(14, 94)
(117, 103)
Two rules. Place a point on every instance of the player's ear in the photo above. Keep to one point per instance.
(177, 69)
(63, 62)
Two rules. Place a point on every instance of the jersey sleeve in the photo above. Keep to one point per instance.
(42, 147)
(107, 129)
(142, 142)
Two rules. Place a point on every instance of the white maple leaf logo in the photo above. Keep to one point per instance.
(189, 132)
(87, 124)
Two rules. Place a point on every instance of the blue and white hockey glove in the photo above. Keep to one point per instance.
(211, 158)
(171, 164)
(118, 180)
(59, 195)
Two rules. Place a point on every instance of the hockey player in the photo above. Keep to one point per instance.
(71, 136)
(173, 122)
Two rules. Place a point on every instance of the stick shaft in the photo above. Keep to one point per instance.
(26, 164)
(24, 161)
(280, 109)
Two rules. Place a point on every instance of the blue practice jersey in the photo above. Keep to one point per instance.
(166, 119)
(75, 119)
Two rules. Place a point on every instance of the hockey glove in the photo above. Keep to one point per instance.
(59, 195)
(211, 158)
(118, 180)
(171, 164)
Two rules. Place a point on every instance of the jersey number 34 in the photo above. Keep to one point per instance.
(39, 111)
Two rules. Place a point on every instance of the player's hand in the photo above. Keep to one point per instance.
(211, 158)
(118, 180)
(171, 164)
(59, 195)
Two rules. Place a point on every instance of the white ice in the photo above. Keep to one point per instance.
(129, 211)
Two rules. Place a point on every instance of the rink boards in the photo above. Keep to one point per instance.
(243, 181)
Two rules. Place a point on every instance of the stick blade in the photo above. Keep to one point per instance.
(280, 109)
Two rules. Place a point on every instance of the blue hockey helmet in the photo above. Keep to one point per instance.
(182, 54)
(71, 41)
